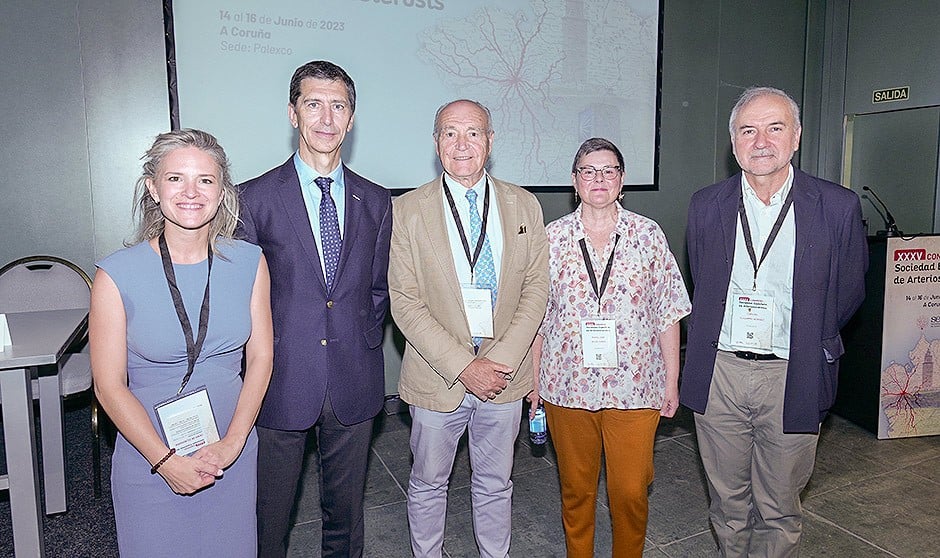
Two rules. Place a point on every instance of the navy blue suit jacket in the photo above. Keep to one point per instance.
(831, 257)
(323, 341)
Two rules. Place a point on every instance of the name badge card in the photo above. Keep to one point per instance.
(599, 343)
(187, 421)
(478, 305)
(752, 319)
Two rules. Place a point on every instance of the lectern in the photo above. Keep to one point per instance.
(887, 382)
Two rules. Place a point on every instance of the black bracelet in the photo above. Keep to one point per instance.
(153, 470)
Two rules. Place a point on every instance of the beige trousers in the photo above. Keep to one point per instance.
(755, 472)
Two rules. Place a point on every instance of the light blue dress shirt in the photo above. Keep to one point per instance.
(312, 196)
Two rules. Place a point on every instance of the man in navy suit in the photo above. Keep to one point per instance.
(325, 232)
(778, 259)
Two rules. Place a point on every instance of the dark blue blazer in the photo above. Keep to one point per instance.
(324, 342)
(831, 257)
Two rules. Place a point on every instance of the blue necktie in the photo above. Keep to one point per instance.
(485, 271)
(329, 231)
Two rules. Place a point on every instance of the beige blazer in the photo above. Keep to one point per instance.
(427, 304)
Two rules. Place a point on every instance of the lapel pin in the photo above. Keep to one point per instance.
(522, 228)
(355, 197)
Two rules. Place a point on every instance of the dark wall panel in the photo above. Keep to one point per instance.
(45, 191)
(892, 44)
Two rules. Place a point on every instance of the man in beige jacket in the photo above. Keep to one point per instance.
(469, 306)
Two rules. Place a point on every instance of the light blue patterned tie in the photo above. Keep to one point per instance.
(329, 231)
(485, 271)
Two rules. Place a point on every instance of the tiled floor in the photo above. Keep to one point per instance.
(866, 498)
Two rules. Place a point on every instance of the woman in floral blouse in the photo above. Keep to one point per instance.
(607, 366)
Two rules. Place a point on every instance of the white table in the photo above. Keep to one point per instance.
(39, 338)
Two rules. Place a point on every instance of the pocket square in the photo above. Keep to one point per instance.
(522, 228)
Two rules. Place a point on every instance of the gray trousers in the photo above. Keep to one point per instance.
(434, 435)
(755, 471)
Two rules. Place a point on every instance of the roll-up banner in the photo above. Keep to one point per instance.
(910, 361)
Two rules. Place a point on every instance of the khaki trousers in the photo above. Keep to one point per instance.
(755, 472)
(626, 438)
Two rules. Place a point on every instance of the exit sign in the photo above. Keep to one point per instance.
(891, 95)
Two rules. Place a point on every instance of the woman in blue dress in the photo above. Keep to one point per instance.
(172, 317)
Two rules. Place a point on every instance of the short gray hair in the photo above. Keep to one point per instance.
(479, 105)
(752, 93)
(597, 144)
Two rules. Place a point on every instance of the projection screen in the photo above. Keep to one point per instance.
(553, 72)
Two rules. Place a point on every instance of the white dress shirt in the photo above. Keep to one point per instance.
(775, 276)
(494, 231)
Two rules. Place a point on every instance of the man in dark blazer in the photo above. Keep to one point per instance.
(325, 232)
(778, 259)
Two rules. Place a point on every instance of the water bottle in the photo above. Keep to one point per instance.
(538, 429)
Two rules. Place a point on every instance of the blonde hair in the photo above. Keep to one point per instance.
(149, 217)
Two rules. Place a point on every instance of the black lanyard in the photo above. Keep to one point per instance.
(746, 229)
(193, 348)
(472, 260)
(598, 291)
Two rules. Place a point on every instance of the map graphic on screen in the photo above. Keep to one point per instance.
(553, 73)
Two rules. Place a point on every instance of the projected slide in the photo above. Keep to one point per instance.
(554, 73)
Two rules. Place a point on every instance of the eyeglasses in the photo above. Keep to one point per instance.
(589, 173)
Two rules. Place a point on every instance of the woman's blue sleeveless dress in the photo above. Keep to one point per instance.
(151, 519)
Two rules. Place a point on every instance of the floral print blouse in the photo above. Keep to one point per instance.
(645, 295)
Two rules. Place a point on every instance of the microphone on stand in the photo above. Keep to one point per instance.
(891, 226)
(877, 209)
